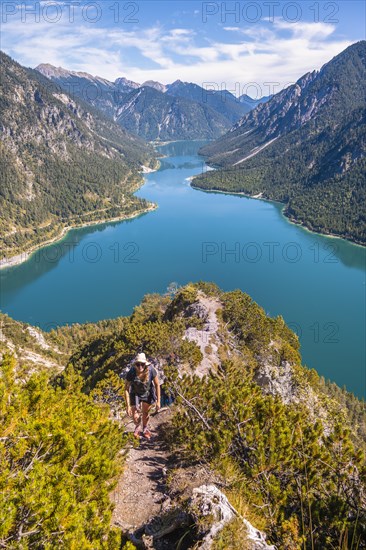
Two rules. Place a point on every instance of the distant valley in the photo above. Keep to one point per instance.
(74, 146)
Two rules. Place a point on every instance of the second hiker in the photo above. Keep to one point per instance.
(142, 389)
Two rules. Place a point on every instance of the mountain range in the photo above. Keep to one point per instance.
(67, 157)
(305, 147)
(63, 162)
(180, 110)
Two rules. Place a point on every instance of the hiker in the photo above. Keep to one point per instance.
(141, 391)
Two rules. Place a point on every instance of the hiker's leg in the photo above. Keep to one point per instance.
(145, 413)
(136, 415)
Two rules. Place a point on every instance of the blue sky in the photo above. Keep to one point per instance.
(255, 47)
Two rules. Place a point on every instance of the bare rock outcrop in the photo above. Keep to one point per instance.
(209, 501)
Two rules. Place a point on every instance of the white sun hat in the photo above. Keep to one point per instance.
(141, 358)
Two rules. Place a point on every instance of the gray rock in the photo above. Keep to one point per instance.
(209, 501)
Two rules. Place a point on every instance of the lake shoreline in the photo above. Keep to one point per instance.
(292, 220)
(24, 256)
(320, 294)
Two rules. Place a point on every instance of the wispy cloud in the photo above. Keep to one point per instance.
(278, 53)
(306, 30)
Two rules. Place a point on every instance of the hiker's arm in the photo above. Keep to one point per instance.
(157, 388)
(127, 397)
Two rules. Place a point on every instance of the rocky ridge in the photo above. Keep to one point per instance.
(149, 494)
(167, 492)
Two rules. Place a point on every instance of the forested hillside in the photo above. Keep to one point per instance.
(305, 147)
(62, 163)
(287, 446)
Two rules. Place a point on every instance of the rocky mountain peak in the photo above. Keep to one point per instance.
(124, 84)
(154, 84)
(52, 72)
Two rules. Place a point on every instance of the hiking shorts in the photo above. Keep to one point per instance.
(135, 400)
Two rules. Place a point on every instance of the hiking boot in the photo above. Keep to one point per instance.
(147, 433)
(137, 433)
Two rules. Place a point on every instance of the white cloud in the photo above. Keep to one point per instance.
(234, 29)
(279, 53)
(306, 30)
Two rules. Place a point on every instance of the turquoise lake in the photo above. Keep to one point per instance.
(316, 283)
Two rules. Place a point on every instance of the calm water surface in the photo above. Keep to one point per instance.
(316, 283)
